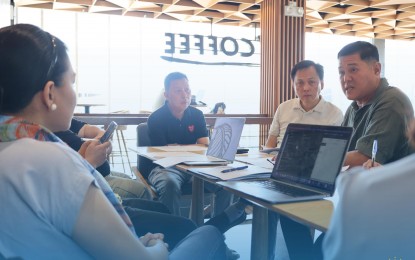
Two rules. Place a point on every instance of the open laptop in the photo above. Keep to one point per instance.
(224, 142)
(306, 167)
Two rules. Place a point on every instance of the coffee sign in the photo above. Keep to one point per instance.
(185, 44)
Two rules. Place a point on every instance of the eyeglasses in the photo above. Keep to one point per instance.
(54, 60)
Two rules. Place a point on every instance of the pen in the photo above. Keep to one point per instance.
(270, 161)
(374, 151)
(235, 169)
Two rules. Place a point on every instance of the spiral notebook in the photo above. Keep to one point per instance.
(224, 142)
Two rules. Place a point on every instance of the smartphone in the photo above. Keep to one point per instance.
(108, 133)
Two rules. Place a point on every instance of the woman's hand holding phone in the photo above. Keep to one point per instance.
(108, 133)
(95, 152)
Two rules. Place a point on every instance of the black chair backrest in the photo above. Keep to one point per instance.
(143, 138)
(144, 165)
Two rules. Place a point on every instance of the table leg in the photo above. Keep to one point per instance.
(86, 109)
(196, 210)
(260, 244)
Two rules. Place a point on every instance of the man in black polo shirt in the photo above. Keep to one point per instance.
(178, 123)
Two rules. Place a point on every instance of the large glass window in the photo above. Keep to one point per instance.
(5, 11)
(397, 69)
(121, 61)
(399, 56)
(323, 49)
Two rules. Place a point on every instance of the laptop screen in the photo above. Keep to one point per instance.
(312, 155)
(225, 137)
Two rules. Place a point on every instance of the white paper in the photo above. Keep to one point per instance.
(182, 148)
(173, 160)
(160, 155)
(260, 161)
(250, 172)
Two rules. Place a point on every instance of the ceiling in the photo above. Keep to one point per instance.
(385, 19)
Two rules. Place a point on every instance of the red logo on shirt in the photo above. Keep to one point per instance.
(191, 128)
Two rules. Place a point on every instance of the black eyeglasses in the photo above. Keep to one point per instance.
(54, 60)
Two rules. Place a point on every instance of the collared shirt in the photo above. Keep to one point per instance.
(385, 119)
(41, 200)
(165, 129)
(324, 113)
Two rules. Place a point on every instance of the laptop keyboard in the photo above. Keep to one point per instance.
(286, 189)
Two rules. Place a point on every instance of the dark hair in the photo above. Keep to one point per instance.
(367, 51)
(411, 133)
(29, 57)
(172, 76)
(217, 106)
(306, 64)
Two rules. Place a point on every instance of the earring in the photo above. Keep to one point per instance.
(53, 107)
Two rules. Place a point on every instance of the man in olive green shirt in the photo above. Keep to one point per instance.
(378, 111)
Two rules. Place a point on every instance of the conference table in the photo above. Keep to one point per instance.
(315, 214)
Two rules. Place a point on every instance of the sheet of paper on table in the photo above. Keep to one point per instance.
(216, 172)
(182, 148)
(174, 160)
(259, 161)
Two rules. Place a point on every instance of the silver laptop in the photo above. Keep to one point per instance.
(306, 167)
(224, 142)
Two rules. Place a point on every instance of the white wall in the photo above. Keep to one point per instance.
(4, 13)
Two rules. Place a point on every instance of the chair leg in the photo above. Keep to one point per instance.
(126, 152)
(119, 146)
(213, 204)
(144, 181)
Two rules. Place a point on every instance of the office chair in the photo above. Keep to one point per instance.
(143, 168)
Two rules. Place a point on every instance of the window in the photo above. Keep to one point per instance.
(323, 49)
(118, 60)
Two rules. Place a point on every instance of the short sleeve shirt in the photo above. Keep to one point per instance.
(385, 119)
(165, 129)
(324, 113)
(41, 199)
(76, 125)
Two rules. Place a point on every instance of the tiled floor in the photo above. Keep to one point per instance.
(239, 239)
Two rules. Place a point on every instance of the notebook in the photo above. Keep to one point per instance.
(306, 167)
(224, 142)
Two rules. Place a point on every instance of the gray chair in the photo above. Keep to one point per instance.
(144, 164)
(143, 169)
